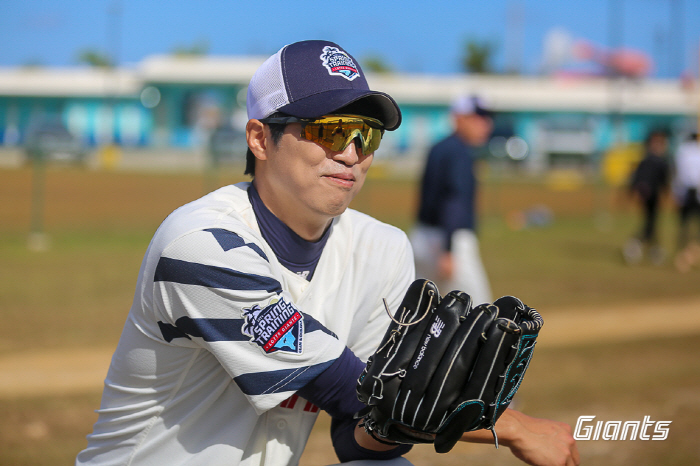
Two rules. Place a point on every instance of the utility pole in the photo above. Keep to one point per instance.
(615, 82)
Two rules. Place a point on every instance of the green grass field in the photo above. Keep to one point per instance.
(76, 295)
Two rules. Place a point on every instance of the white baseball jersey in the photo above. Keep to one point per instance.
(687, 175)
(220, 336)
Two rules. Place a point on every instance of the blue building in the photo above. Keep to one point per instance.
(174, 104)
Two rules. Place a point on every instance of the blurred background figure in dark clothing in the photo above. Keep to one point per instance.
(648, 183)
(444, 240)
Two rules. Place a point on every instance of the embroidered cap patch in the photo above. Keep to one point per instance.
(339, 63)
(278, 326)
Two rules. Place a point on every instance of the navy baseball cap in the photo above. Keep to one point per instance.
(313, 78)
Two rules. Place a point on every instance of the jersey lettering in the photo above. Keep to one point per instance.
(290, 402)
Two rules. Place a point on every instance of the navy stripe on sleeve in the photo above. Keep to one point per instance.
(262, 383)
(190, 273)
(229, 240)
(207, 329)
(222, 329)
(311, 325)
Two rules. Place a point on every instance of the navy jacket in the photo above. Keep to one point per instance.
(448, 188)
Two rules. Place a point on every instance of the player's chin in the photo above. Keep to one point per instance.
(339, 195)
(337, 204)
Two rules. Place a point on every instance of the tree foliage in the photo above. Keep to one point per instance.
(477, 57)
(196, 49)
(95, 58)
(376, 64)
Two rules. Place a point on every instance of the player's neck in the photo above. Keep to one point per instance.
(308, 225)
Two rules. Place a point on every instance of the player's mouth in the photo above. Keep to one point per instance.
(345, 180)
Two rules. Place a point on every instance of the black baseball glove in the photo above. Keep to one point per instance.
(445, 368)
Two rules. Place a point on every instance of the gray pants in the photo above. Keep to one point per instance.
(469, 273)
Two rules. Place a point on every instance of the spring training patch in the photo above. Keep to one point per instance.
(339, 63)
(278, 326)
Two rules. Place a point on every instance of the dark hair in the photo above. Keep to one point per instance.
(276, 132)
(656, 133)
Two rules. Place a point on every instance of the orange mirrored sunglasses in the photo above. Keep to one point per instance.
(336, 132)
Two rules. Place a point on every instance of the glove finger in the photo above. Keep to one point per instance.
(526, 317)
(510, 307)
(475, 407)
(490, 370)
(530, 322)
(435, 340)
(453, 371)
(446, 439)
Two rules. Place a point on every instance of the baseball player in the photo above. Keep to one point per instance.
(444, 239)
(686, 191)
(258, 304)
(648, 184)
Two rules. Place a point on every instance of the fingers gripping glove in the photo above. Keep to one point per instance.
(444, 368)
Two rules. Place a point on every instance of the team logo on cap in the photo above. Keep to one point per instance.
(339, 63)
(276, 327)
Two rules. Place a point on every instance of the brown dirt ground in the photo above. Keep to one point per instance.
(79, 370)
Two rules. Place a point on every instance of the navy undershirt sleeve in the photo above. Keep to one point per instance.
(347, 448)
(334, 392)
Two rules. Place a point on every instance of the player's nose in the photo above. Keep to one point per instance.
(351, 154)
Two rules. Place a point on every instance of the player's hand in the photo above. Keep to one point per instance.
(445, 266)
(542, 442)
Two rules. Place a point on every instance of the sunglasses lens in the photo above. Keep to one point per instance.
(337, 132)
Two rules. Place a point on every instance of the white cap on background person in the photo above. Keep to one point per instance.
(471, 104)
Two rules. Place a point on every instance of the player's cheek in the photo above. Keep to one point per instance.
(366, 163)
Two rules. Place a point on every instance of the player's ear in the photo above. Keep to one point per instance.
(256, 137)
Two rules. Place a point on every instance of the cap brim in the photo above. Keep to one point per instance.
(483, 112)
(363, 102)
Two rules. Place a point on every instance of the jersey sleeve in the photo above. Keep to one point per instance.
(216, 289)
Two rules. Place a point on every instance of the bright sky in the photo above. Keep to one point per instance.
(409, 35)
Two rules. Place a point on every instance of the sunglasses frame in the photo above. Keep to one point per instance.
(371, 122)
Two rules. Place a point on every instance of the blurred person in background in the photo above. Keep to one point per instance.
(444, 240)
(686, 191)
(649, 181)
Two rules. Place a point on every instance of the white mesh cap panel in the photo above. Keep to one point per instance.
(266, 91)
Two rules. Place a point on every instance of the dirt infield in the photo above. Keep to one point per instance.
(71, 371)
